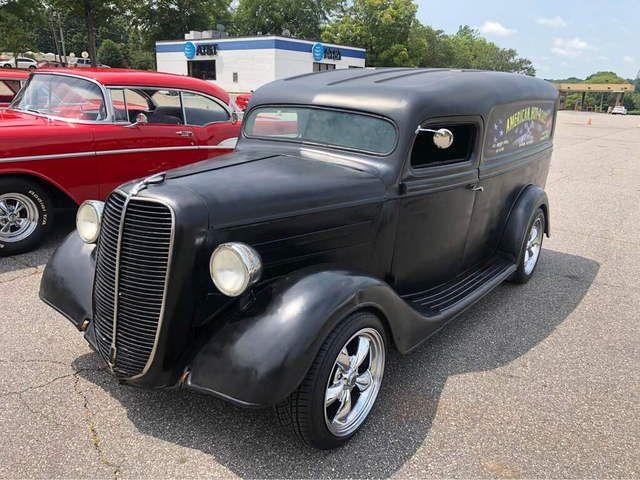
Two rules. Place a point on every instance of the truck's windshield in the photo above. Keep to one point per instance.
(322, 126)
(62, 96)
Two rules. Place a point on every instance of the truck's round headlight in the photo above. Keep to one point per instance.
(233, 267)
(88, 220)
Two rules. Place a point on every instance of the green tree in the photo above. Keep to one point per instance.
(383, 27)
(112, 54)
(17, 21)
(605, 77)
(467, 49)
(302, 18)
(94, 14)
(153, 20)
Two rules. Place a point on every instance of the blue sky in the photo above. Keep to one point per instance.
(563, 38)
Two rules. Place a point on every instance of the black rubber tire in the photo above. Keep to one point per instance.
(7, 66)
(45, 209)
(303, 411)
(520, 276)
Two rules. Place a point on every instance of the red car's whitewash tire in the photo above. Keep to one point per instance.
(26, 213)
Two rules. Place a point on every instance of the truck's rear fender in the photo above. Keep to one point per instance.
(260, 354)
(530, 199)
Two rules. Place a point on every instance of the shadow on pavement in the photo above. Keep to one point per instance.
(499, 329)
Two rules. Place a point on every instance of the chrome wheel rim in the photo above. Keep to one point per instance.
(533, 247)
(354, 382)
(19, 217)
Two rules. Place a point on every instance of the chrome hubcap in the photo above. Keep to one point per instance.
(19, 217)
(354, 382)
(534, 244)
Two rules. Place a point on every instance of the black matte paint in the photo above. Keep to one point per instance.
(337, 230)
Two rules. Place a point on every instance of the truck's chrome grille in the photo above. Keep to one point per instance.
(134, 253)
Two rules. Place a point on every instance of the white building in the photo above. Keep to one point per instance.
(243, 64)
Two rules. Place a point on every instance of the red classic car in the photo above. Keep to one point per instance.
(11, 81)
(242, 100)
(75, 134)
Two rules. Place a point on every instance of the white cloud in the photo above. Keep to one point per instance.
(628, 59)
(553, 22)
(569, 47)
(496, 29)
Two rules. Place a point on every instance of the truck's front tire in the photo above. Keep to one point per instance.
(26, 213)
(342, 385)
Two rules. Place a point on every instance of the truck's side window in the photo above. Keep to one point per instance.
(425, 153)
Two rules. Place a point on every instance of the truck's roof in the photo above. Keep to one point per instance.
(405, 93)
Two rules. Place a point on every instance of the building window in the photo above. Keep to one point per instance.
(323, 67)
(235, 77)
(202, 69)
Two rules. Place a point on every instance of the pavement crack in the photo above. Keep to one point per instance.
(94, 436)
(27, 361)
(36, 387)
(49, 382)
(19, 277)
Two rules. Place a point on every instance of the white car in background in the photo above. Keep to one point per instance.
(22, 62)
(619, 110)
(86, 63)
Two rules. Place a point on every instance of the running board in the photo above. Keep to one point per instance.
(457, 294)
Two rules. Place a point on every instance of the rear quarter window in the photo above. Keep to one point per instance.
(517, 127)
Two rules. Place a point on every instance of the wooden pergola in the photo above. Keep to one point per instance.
(584, 88)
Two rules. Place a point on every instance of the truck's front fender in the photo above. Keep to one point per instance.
(259, 355)
(67, 281)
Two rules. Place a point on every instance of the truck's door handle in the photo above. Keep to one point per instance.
(474, 187)
(185, 133)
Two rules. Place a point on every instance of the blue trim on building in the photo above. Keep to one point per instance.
(258, 44)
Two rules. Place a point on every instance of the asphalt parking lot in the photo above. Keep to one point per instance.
(541, 380)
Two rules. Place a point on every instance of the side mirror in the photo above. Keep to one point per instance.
(442, 138)
(141, 119)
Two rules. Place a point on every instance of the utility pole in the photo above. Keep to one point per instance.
(64, 50)
(55, 39)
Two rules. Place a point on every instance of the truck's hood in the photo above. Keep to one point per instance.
(13, 118)
(251, 186)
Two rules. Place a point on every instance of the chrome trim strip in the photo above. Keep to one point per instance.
(101, 153)
(54, 156)
(31, 158)
(116, 287)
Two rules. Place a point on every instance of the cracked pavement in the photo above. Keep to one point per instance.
(540, 380)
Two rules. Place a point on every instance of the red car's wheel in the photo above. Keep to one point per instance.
(25, 215)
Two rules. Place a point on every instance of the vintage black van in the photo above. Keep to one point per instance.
(361, 211)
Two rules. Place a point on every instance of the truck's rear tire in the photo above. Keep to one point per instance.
(26, 213)
(531, 248)
(342, 385)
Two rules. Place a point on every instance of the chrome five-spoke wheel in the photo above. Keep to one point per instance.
(19, 217)
(533, 246)
(341, 386)
(354, 382)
